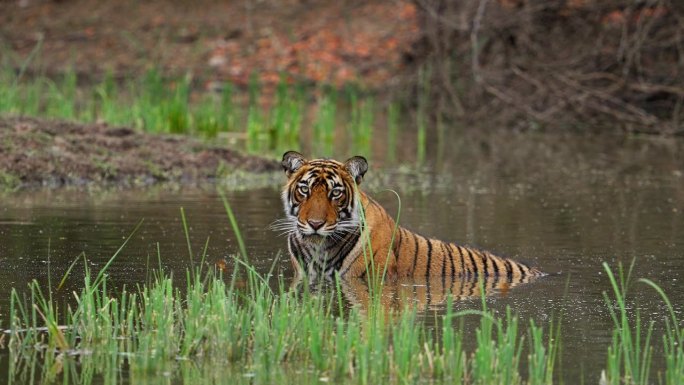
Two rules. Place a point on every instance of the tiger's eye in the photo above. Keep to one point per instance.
(303, 189)
(335, 193)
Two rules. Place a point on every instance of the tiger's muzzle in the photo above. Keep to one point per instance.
(317, 215)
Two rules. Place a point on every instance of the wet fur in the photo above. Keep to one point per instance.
(326, 234)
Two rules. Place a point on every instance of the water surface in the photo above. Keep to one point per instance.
(563, 203)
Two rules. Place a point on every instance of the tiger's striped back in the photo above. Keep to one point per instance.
(335, 228)
(419, 256)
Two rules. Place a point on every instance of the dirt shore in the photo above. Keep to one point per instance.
(36, 152)
(313, 41)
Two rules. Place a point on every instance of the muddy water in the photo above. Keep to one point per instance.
(565, 204)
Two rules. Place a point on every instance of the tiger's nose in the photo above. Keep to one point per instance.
(316, 223)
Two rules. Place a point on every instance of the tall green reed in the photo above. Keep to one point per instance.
(630, 354)
(156, 103)
(673, 340)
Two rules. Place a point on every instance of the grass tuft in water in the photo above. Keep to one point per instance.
(630, 354)
(673, 340)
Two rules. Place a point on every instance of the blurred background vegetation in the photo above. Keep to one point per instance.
(280, 74)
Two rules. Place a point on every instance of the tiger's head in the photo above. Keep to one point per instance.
(320, 198)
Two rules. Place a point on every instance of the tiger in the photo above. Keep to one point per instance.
(334, 228)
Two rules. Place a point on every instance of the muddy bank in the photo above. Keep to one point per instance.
(36, 152)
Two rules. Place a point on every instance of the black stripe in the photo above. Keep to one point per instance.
(509, 268)
(472, 261)
(494, 281)
(415, 254)
(362, 252)
(298, 252)
(311, 257)
(484, 262)
(451, 259)
(348, 244)
(306, 253)
(294, 248)
(397, 246)
(522, 271)
(333, 266)
(460, 287)
(352, 263)
(464, 270)
(429, 258)
(496, 267)
(291, 248)
(317, 264)
(471, 287)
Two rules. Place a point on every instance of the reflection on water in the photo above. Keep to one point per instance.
(426, 293)
(116, 369)
(562, 204)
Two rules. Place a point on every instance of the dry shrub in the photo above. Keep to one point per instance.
(578, 64)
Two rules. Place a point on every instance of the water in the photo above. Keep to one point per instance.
(565, 204)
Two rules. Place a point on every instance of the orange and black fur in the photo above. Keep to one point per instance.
(326, 234)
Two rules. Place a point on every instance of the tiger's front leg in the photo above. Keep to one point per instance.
(296, 266)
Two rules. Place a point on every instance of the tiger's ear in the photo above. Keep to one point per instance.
(292, 161)
(357, 167)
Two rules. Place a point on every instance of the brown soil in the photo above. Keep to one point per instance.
(317, 41)
(35, 152)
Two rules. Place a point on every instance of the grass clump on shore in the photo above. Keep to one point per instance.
(261, 120)
(268, 118)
